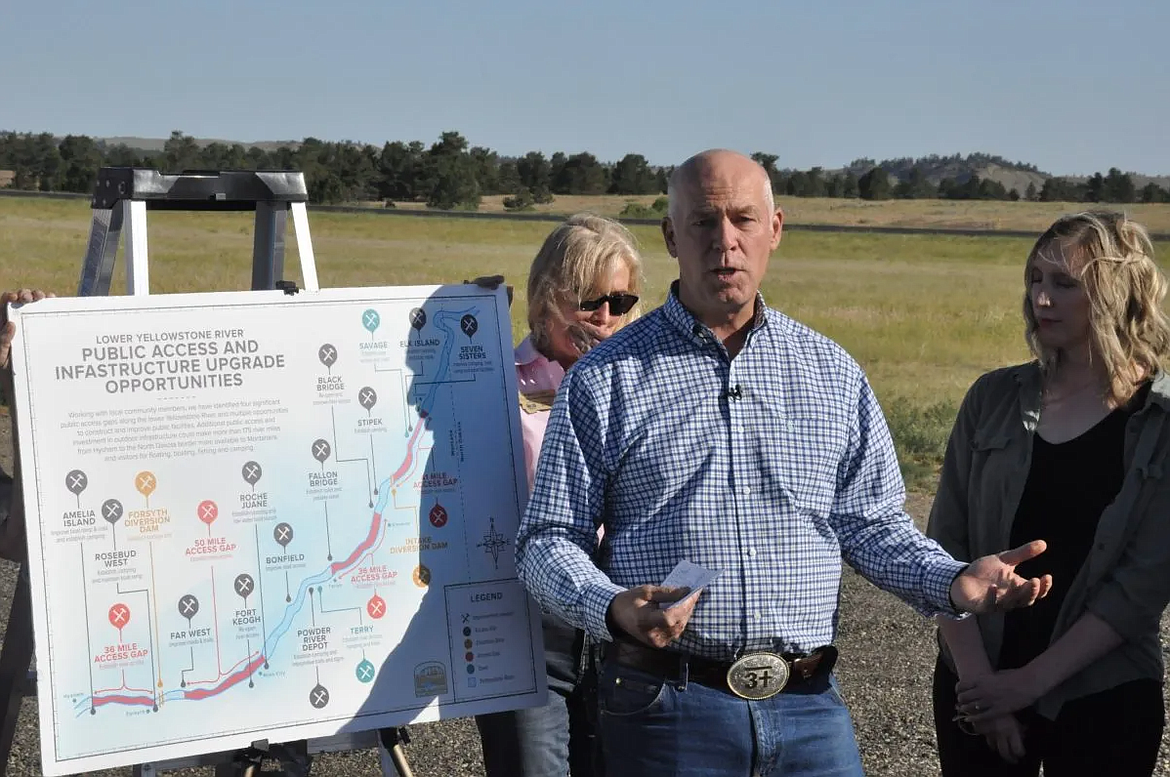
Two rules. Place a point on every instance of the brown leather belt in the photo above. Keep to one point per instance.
(680, 667)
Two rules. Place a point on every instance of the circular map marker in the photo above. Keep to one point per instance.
(418, 318)
(371, 320)
(376, 607)
(207, 511)
(252, 472)
(438, 516)
(112, 510)
(188, 607)
(421, 576)
(469, 325)
(244, 585)
(367, 398)
(365, 671)
(321, 451)
(76, 481)
(319, 696)
(119, 616)
(145, 483)
(283, 534)
(327, 354)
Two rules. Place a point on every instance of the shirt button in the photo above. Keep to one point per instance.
(742, 428)
(752, 552)
(759, 616)
(746, 491)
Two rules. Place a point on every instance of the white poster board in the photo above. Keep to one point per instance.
(255, 515)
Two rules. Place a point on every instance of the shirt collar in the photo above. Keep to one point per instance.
(698, 332)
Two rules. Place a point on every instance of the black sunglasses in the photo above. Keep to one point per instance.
(620, 303)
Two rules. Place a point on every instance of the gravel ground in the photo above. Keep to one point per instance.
(887, 655)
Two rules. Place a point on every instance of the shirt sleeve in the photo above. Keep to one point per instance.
(558, 532)
(877, 537)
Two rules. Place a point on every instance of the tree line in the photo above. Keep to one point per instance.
(452, 174)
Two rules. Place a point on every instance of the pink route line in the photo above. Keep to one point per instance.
(221, 674)
(238, 677)
(376, 524)
(370, 555)
(145, 702)
(360, 550)
(408, 464)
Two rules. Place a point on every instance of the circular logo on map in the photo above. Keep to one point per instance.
(421, 576)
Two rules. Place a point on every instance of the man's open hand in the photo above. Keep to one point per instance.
(990, 583)
(637, 613)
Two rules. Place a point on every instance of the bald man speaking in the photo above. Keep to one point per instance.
(719, 432)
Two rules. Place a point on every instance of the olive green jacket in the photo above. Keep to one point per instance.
(1125, 581)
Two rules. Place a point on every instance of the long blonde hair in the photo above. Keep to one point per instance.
(576, 257)
(1113, 258)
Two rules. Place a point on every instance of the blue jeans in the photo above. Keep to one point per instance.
(550, 741)
(650, 727)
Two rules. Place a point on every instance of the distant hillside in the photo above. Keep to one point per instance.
(1012, 175)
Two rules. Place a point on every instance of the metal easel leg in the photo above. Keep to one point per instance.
(391, 753)
(98, 266)
(268, 245)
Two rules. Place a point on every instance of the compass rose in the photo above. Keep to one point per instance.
(493, 542)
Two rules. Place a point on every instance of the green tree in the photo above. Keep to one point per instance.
(874, 185)
(1095, 188)
(487, 170)
(581, 174)
(453, 174)
(401, 170)
(81, 158)
(768, 162)
(1151, 192)
(522, 200)
(1058, 190)
(632, 175)
(534, 170)
(180, 153)
(1030, 194)
(510, 177)
(849, 186)
(915, 187)
(1118, 187)
(989, 189)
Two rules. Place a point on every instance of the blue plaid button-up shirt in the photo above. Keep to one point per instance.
(769, 467)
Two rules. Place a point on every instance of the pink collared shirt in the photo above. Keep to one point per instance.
(535, 375)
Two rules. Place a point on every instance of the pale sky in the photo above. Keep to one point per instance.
(1071, 88)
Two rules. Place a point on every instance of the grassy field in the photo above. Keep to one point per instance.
(950, 214)
(924, 315)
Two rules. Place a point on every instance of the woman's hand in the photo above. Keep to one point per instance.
(995, 694)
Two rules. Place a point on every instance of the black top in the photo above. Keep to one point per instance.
(1069, 485)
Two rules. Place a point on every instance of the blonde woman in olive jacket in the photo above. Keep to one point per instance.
(1071, 448)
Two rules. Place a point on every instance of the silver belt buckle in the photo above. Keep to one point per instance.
(758, 676)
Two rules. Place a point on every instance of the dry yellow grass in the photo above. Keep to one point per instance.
(950, 214)
(923, 314)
